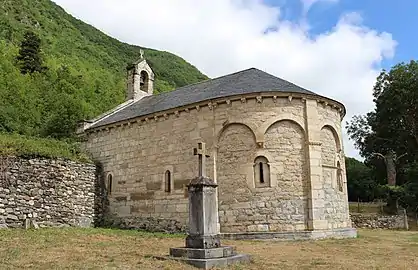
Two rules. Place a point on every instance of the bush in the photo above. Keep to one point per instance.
(24, 146)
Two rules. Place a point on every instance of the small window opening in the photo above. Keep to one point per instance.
(261, 172)
(167, 181)
(260, 165)
(339, 177)
(109, 184)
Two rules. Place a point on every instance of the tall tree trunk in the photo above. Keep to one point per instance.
(390, 168)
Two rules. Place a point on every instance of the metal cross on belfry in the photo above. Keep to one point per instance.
(201, 152)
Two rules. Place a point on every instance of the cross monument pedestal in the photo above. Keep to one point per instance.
(203, 245)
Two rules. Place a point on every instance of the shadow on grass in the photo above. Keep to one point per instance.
(46, 233)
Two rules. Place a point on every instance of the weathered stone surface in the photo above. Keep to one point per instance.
(292, 236)
(149, 224)
(203, 241)
(140, 196)
(202, 181)
(208, 253)
(376, 221)
(46, 192)
(154, 186)
(202, 210)
(180, 184)
(211, 263)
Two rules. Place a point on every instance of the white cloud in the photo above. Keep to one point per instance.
(221, 37)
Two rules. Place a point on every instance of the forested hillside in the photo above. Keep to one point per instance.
(84, 70)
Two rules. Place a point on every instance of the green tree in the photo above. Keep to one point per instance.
(390, 131)
(361, 184)
(29, 58)
(62, 119)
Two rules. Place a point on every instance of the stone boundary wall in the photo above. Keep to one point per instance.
(46, 192)
(375, 221)
(148, 224)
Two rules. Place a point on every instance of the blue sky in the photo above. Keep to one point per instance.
(399, 18)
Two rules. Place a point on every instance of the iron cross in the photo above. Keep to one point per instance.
(201, 152)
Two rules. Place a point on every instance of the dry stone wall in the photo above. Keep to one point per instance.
(49, 192)
(375, 221)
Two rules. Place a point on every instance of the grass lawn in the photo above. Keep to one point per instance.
(116, 249)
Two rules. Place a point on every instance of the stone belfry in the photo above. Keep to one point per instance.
(140, 79)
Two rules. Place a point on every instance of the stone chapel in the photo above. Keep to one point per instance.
(275, 150)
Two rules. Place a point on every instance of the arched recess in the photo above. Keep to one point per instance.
(144, 80)
(261, 130)
(285, 141)
(330, 146)
(249, 126)
(334, 131)
(283, 134)
(235, 158)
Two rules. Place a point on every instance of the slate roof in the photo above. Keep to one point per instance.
(243, 82)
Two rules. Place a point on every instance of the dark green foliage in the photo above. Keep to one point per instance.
(25, 146)
(363, 184)
(392, 127)
(29, 58)
(86, 69)
(393, 124)
(360, 182)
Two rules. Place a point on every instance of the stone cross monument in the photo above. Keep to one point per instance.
(203, 245)
(203, 231)
(201, 152)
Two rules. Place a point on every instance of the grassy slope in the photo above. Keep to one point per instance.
(116, 249)
(23, 146)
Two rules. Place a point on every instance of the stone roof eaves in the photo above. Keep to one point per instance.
(220, 100)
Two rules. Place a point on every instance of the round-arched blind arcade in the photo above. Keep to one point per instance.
(329, 146)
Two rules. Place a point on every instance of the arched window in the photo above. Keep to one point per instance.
(109, 183)
(261, 172)
(144, 81)
(339, 177)
(167, 180)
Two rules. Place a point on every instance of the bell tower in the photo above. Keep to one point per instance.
(140, 79)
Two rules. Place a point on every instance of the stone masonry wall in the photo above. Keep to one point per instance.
(374, 221)
(335, 205)
(138, 153)
(49, 192)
